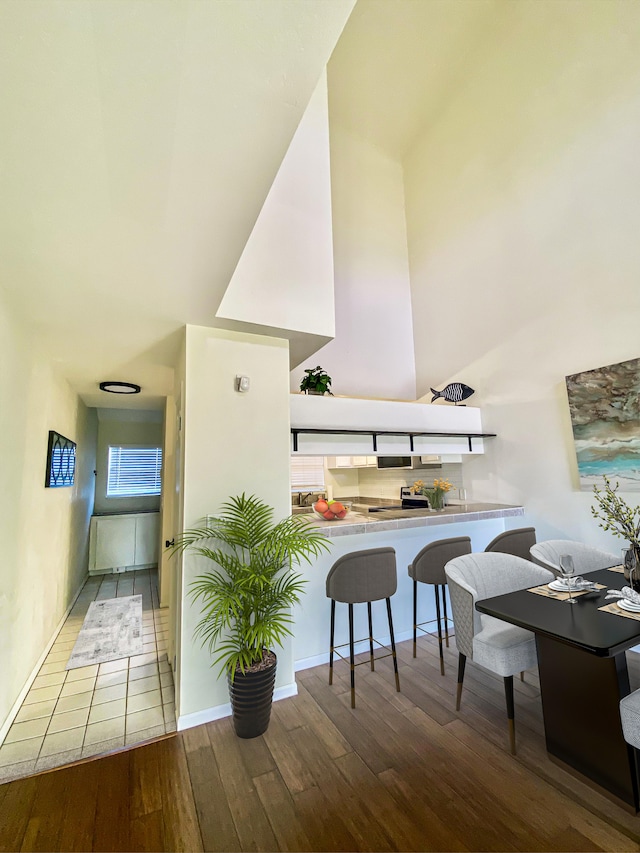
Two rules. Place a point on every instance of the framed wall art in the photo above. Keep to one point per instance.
(61, 461)
(605, 418)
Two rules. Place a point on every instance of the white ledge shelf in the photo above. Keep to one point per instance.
(350, 425)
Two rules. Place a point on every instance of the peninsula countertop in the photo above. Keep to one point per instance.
(360, 520)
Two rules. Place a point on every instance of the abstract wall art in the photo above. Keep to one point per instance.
(61, 461)
(605, 417)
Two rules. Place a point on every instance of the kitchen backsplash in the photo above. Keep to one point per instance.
(372, 482)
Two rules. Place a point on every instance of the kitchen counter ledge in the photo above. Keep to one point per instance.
(360, 520)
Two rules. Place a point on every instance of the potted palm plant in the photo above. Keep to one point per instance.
(247, 597)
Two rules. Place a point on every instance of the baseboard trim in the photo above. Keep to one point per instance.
(359, 648)
(13, 713)
(199, 718)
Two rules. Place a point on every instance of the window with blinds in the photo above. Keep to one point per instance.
(307, 473)
(134, 471)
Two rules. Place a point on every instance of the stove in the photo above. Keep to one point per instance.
(409, 501)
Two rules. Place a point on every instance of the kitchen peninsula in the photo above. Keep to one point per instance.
(362, 520)
(407, 531)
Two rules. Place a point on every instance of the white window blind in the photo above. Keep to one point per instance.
(307, 472)
(134, 471)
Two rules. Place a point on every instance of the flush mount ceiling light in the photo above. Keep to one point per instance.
(120, 387)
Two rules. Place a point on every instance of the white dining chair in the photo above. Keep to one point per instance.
(586, 558)
(630, 717)
(498, 646)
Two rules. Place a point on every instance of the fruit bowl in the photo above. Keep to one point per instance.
(331, 510)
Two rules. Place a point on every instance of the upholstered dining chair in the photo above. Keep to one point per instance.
(516, 542)
(498, 646)
(585, 558)
(630, 717)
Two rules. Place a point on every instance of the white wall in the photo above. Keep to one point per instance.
(125, 427)
(44, 530)
(290, 249)
(372, 354)
(234, 443)
(523, 217)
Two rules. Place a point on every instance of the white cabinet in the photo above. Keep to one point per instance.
(351, 462)
(146, 541)
(121, 542)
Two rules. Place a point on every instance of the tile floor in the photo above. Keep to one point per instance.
(91, 710)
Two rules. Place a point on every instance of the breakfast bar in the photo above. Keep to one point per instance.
(407, 531)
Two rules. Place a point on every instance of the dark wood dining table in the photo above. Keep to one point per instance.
(583, 675)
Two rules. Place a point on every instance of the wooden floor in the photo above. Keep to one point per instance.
(401, 772)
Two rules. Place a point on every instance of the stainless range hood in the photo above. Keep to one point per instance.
(411, 462)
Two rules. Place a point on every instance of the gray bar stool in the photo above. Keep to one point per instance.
(428, 567)
(516, 542)
(358, 577)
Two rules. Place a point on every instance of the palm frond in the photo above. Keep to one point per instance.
(246, 600)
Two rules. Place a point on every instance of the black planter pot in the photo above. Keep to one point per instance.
(251, 698)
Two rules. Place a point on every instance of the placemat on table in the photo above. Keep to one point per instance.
(617, 611)
(560, 596)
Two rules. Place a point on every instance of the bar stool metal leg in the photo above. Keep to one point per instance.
(333, 625)
(415, 615)
(393, 645)
(370, 635)
(436, 590)
(352, 658)
(446, 620)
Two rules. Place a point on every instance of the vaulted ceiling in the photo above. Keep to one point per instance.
(140, 140)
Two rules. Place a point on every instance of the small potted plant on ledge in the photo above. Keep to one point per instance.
(247, 596)
(316, 381)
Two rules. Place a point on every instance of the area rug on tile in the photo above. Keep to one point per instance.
(112, 629)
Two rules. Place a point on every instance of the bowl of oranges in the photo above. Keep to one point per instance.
(331, 510)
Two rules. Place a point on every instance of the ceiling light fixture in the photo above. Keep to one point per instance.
(120, 387)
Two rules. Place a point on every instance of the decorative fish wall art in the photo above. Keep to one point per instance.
(454, 392)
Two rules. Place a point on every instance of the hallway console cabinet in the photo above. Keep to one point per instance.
(118, 543)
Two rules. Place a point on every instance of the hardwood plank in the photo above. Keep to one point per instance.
(147, 832)
(571, 839)
(15, 812)
(404, 833)
(310, 714)
(146, 797)
(377, 755)
(357, 812)
(323, 821)
(281, 812)
(401, 771)
(251, 823)
(78, 821)
(436, 834)
(180, 818)
(214, 815)
(111, 827)
(296, 775)
(255, 752)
